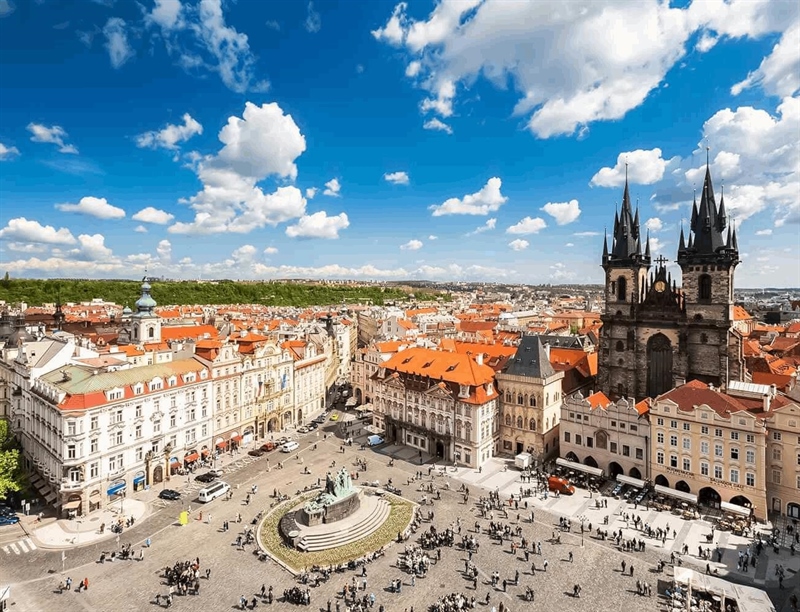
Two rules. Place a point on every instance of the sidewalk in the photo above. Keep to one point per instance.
(70, 533)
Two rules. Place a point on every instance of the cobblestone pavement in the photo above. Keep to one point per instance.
(132, 585)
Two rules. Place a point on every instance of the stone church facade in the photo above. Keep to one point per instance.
(657, 335)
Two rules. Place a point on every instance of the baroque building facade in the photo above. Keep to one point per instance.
(657, 335)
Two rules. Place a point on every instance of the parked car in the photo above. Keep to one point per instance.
(206, 477)
(256, 452)
(303, 429)
(9, 519)
(283, 440)
(312, 426)
(335, 416)
(267, 447)
(561, 485)
(289, 446)
(169, 494)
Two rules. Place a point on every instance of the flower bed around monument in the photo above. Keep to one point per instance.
(270, 538)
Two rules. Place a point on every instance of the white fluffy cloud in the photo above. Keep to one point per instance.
(654, 224)
(169, 136)
(54, 134)
(140, 229)
(91, 248)
(332, 188)
(313, 22)
(263, 142)
(93, 207)
(437, 125)
(644, 167)
(25, 230)
(432, 237)
(7, 153)
(527, 226)
(153, 215)
(198, 36)
(575, 63)
(398, 178)
(164, 250)
(764, 232)
(488, 199)
(411, 245)
(489, 225)
(318, 225)
(119, 50)
(563, 212)
(779, 72)
(519, 244)
(311, 192)
(271, 251)
(244, 254)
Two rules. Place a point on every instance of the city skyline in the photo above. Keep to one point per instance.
(478, 141)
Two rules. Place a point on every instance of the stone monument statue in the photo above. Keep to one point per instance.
(339, 499)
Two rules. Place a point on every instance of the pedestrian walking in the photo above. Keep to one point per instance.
(570, 556)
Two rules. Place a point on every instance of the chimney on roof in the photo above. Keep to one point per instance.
(479, 358)
(547, 349)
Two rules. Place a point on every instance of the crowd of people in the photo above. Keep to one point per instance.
(453, 602)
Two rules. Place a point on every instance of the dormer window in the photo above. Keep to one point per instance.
(114, 394)
(203, 374)
(463, 390)
(172, 381)
(138, 389)
(190, 377)
(489, 389)
(156, 384)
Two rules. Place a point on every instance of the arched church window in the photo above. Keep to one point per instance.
(704, 287)
(520, 399)
(508, 397)
(151, 332)
(620, 345)
(532, 424)
(532, 401)
(622, 288)
(519, 422)
(508, 420)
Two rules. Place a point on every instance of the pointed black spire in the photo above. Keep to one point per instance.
(647, 246)
(682, 244)
(735, 242)
(693, 222)
(605, 246)
(636, 221)
(722, 217)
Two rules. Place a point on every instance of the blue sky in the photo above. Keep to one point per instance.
(375, 140)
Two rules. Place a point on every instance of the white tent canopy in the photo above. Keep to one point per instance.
(628, 480)
(580, 467)
(748, 599)
(736, 509)
(687, 497)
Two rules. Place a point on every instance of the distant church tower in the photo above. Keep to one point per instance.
(145, 325)
(655, 334)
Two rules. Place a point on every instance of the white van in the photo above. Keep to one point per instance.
(213, 491)
(289, 446)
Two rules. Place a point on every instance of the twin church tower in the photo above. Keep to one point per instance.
(656, 334)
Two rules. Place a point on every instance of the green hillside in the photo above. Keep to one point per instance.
(36, 292)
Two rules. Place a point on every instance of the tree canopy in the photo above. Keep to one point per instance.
(9, 462)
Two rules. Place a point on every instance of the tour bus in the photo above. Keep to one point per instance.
(213, 491)
(289, 446)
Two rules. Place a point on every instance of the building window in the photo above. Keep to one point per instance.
(93, 445)
(704, 288)
(613, 447)
(734, 435)
(157, 427)
(660, 437)
(639, 454)
(589, 442)
(704, 469)
(508, 420)
(578, 439)
(776, 435)
(687, 443)
(626, 450)
(673, 461)
(71, 451)
(620, 346)
(622, 288)
(717, 433)
(777, 454)
(659, 421)
(718, 472)
(117, 417)
(687, 427)
(776, 476)
(704, 447)
(613, 423)
(138, 431)
(735, 476)
(660, 457)
(687, 465)
(751, 438)
(704, 430)
(138, 411)
(94, 423)
(750, 456)
(673, 440)
(718, 450)
(140, 454)
(172, 420)
(94, 469)
(631, 428)
(734, 453)
(566, 437)
(673, 424)
(750, 479)
(532, 424)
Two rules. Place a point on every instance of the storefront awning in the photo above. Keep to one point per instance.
(72, 505)
(628, 480)
(221, 444)
(204, 452)
(116, 488)
(50, 497)
(236, 439)
(735, 508)
(687, 497)
(95, 494)
(174, 460)
(191, 457)
(580, 467)
(138, 479)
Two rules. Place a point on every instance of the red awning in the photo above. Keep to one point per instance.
(221, 444)
(191, 457)
(204, 452)
(236, 439)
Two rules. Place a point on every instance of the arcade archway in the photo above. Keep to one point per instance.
(662, 481)
(614, 469)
